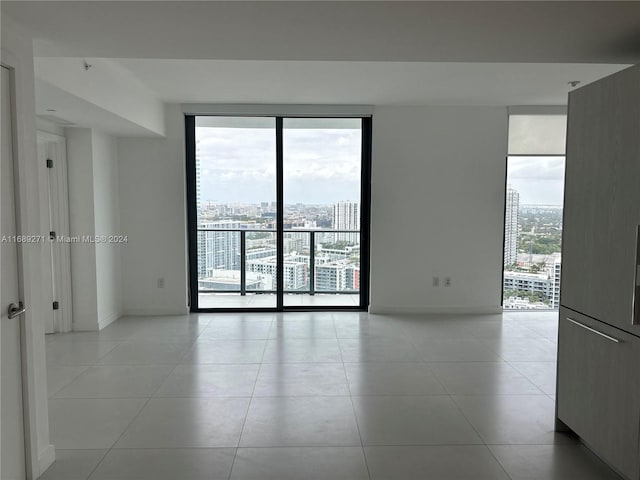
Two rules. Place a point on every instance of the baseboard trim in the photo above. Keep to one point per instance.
(108, 320)
(139, 312)
(476, 310)
(46, 458)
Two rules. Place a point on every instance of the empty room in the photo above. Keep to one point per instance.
(320, 240)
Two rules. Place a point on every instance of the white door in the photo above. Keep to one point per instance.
(12, 461)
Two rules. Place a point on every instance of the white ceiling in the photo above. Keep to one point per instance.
(82, 113)
(339, 52)
(476, 31)
(368, 83)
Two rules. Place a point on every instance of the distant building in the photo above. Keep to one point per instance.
(295, 272)
(337, 276)
(331, 277)
(346, 216)
(546, 283)
(218, 250)
(511, 226)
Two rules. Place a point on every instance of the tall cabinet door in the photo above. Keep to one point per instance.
(602, 199)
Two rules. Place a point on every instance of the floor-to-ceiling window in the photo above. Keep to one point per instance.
(278, 212)
(533, 212)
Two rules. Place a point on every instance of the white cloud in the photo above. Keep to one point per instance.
(539, 180)
(320, 165)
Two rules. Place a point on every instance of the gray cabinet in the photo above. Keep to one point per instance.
(599, 388)
(602, 199)
(598, 393)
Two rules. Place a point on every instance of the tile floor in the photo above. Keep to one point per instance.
(311, 396)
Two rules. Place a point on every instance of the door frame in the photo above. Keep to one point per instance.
(29, 219)
(55, 181)
(365, 210)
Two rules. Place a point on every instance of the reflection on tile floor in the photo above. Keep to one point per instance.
(343, 395)
(235, 300)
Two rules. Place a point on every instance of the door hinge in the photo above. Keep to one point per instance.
(56, 305)
(49, 163)
(52, 235)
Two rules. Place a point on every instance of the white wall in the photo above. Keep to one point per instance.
(153, 216)
(107, 223)
(17, 53)
(437, 210)
(94, 211)
(81, 223)
(438, 179)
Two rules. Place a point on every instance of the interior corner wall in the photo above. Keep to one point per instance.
(107, 228)
(438, 180)
(152, 180)
(94, 213)
(81, 226)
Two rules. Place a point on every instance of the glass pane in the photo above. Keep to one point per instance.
(533, 232)
(322, 177)
(537, 134)
(236, 208)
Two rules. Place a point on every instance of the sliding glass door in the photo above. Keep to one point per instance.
(278, 212)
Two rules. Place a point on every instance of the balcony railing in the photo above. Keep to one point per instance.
(235, 254)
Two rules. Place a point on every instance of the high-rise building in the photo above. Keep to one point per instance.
(218, 250)
(331, 277)
(346, 216)
(511, 226)
(295, 272)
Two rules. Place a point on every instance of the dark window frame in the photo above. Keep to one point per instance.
(365, 217)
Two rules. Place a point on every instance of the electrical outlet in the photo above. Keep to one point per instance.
(447, 281)
(436, 281)
(161, 282)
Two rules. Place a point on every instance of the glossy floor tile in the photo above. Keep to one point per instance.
(512, 419)
(300, 421)
(210, 381)
(145, 353)
(302, 350)
(324, 395)
(392, 378)
(187, 423)
(301, 379)
(551, 462)
(295, 463)
(78, 352)
(483, 378)
(73, 464)
(90, 423)
(378, 349)
(116, 381)
(226, 352)
(434, 462)
(412, 420)
(166, 464)
(59, 376)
